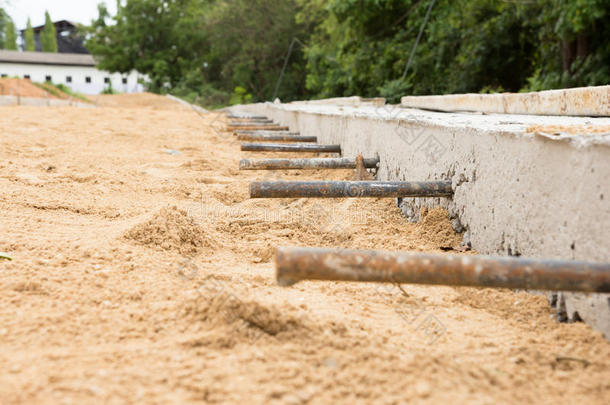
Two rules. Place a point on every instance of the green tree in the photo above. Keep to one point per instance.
(10, 36)
(164, 53)
(572, 44)
(3, 17)
(250, 40)
(362, 46)
(30, 43)
(226, 51)
(202, 47)
(48, 35)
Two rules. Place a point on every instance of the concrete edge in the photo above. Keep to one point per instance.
(42, 102)
(345, 101)
(522, 125)
(196, 108)
(581, 101)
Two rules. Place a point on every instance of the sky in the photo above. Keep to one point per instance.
(82, 11)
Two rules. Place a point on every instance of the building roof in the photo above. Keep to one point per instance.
(59, 26)
(47, 58)
(69, 39)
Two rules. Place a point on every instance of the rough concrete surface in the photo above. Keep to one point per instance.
(582, 101)
(196, 108)
(41, 102)
(516, 192)
(345, 101)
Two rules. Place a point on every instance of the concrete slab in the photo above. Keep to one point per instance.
(196, 108)
(42, 102)
(345, 101)
(519, 189)
(582, 101)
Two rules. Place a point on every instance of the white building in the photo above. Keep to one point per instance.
(77, 71)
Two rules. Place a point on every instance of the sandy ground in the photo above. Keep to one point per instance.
(142, 273)
(23, 88)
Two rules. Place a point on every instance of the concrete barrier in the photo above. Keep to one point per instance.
(42, 102)
(519, 190)
(582, 101)
(196, 108)
(353, 101)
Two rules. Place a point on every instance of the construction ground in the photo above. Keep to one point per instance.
(143, 273)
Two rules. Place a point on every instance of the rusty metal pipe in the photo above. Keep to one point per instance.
(251, 123)
(247, 117)
(264, 132)
(288, 147)
(276, 138)
(315, 163)
(275, 127)
(295, 264)
(349, 189)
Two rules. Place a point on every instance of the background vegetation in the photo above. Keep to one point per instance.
(233, 50)
(3, 20)
(9, 34)
(48, 35)
(217, 52)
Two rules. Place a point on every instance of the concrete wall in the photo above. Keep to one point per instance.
(78, 74)
(354, 101)
(42, 102)
(516, 192)
(581, 101)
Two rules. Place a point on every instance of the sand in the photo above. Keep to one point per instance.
(142, 273)
(23, 88)
(569, 129)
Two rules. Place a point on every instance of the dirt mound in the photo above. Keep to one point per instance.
(171, 229)
(435, 227)
(521, 307)
(23, 87)
(226, 320)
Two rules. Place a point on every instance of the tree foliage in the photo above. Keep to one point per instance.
(48, 35)
(156, 37)
(3, 18)
(226, 51)
(248, 41)
(362, 46)
(201, 46)
(30, 42)
(10, 35)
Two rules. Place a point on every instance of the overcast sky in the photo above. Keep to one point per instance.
(82, 11)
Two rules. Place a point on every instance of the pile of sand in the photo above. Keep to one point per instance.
(435, 228)
(226, 320)
(170, 229)
(23, 87)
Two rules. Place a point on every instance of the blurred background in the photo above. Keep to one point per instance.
(225, 52)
